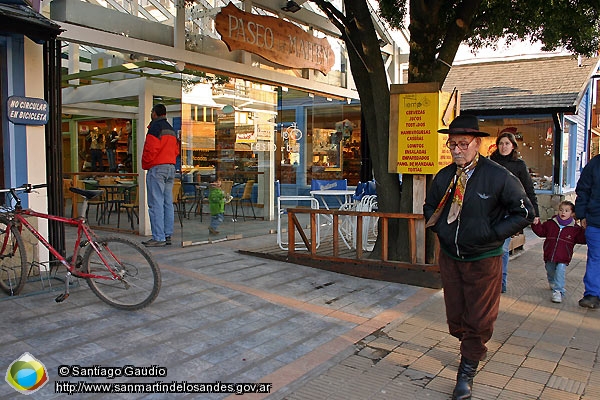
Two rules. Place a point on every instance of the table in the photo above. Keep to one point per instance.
(115, 195)
(338, 194)
(345, 228)
(199, 190)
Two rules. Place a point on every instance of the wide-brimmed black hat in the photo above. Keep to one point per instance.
(466, 125)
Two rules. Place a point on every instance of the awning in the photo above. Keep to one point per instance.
(18, 18)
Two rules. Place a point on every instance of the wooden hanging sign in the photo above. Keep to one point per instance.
(273, 39)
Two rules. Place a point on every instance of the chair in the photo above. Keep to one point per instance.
(371, 188)
(113, 198)
(191, 193)
(101, 201)
(179, 206)
(227, 187)
(246, 196)
(364, 189)
(347, 224)
(359, 192)
(370, 224)
(282, 210)
(67, 194)
(323, 184)
(131, 208)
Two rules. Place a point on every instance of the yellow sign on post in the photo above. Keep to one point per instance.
(417, 112)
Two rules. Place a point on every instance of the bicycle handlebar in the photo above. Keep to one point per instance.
(27, 187)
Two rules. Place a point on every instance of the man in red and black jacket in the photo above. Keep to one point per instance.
(161, 149)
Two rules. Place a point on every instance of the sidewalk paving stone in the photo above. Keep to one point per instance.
(223, 316)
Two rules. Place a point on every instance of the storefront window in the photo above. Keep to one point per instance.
(104, 145)
(318, 138)
(227, 128)
(535, 139)
(335, 135)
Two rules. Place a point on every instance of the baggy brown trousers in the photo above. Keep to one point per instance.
(472, 297)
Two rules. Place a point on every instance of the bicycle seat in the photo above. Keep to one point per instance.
(88, 194)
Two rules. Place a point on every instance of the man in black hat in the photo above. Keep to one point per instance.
(473, 205)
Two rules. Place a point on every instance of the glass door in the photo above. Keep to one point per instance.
(227, 130)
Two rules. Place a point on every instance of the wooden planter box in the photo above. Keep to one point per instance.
(516, 243)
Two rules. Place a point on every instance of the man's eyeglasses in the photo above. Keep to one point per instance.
(461, 145)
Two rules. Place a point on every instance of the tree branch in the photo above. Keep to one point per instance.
(343, 23)
(457, 30)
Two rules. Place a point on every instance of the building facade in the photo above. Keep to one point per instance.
(28, 68)
(258, 91)
(548, 102)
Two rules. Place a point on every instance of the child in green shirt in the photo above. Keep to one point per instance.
(216, 203)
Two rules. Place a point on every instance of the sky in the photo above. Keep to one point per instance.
(516, 49)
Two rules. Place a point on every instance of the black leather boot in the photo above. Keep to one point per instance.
(464, 379)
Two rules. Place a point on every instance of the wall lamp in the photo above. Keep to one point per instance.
(291, 6)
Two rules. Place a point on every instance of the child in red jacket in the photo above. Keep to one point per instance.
(561, 233)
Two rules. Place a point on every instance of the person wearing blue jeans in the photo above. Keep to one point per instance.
(555, 272)
(159, 184)
(507, 155)
(216, 202)
(562, 233)
(591, 279)
(111, 150)
(587, 208)
(161, 149)
(505, 258)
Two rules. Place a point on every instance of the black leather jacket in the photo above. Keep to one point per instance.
(519, 169)
(495, 207)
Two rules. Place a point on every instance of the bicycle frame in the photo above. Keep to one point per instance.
(119, 271)
(82, 228)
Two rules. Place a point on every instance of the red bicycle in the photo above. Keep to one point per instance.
(120, 272)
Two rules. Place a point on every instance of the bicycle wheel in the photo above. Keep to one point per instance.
(13, 259)
(139, 281)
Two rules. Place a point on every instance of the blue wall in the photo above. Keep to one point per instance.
(14, 151)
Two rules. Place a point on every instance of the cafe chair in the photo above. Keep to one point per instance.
(226, 187)
(190, 194)
(115, 196)
(131, 208)
(246, 196)
(100, 202)
(177, 203)
(326, 184)
(329, 184)
(364, 189)
(292, 202)
(348, 227)
(68, 196)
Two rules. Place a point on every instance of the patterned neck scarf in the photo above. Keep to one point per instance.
(460, 180)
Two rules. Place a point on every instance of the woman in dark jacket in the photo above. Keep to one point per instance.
(506, 154)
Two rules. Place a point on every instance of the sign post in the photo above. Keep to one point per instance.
(417, 113)
(418, 110)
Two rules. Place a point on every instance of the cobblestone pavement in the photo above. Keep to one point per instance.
(230, 318)
(539, 350)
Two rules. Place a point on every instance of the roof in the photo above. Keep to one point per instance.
(525, 86)
(18, 18)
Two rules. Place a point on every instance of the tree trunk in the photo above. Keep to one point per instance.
(371, 82)
(368, 70)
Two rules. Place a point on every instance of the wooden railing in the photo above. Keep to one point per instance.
(336, 252)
